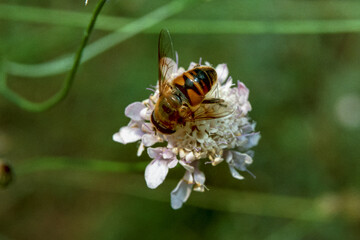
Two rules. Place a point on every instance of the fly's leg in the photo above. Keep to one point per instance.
(219, 101)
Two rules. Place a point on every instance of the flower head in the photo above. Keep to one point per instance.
(228, 138)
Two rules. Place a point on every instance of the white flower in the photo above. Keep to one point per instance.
(193, 179)
(158, 168)
(228, 138)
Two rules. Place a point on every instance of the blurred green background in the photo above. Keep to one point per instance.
(304, 86)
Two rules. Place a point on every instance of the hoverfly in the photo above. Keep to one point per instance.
(184, 98)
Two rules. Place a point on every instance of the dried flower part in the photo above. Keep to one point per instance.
(5, 174)
(228, 138)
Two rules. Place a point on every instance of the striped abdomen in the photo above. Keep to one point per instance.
(196, 83)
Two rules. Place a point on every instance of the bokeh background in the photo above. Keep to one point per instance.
(305, 94)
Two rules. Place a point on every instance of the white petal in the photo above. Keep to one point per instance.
(187, 166)
(241, 160)
(180, 194)
(222, 72)
(145, 113)
(228, 84)
(155, 153)
(155, 173)
(147, 128)
(235, 173)
(253, 140)
(168, 154)
(199, 177)
(188, 177)
(192, 65)
(243, 90)
(245, 108)
(247, 129)
(149, 140)
(128, 135)
(228, 156)
(180, 71)
(190, 157)
(172, 163)
(140, 149)
(133, 111)
(199, 188)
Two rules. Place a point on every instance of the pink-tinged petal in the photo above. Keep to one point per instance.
(128, 135)
(222, 72)
(172, 163)
(241, 160)
(145, 114)
(199, 177)
(177, 58)
(190, 157)
(247, 129)
(133, 111)
(180, 194)
(147, 128)
(149, 140)
(140, 149)
(228, 156)
(155, 173)
(229, 83)
(245, 108)
(180, 71)
(187, 166)
(188, 177)
(243, 90)
(235, 173)
(253, 140)
(155, 153)
(192, 65)
(249, 140)
(168, 154)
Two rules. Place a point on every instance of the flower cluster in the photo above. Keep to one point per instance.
(228, 138)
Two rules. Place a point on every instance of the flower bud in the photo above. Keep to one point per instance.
(5, 174)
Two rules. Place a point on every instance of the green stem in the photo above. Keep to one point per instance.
(121, 34)
(321, 209)
(38, 107)
(64, 163)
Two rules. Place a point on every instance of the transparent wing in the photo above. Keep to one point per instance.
(166, 55)
(214, 92)
(211, 109)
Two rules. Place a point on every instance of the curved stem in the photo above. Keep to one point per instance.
(119, 35)
(38, 107)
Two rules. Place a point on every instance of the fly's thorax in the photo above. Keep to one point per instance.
(165, 116)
